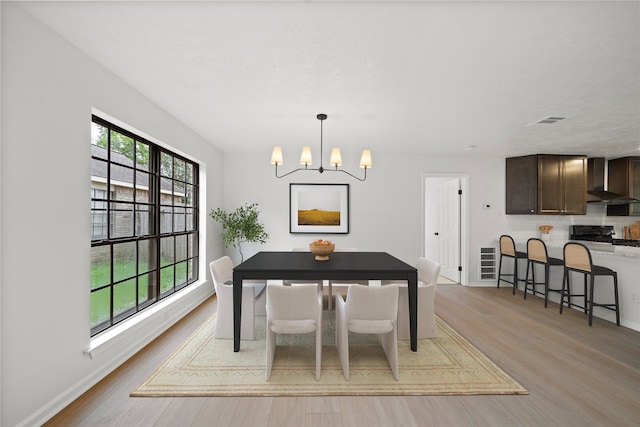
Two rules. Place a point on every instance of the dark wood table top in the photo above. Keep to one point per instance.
(361, 265)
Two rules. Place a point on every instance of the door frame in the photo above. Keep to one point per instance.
(463, 223)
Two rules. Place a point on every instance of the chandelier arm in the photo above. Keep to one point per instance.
(349, 173)
(295, 170)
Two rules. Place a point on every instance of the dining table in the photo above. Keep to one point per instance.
(285, 265)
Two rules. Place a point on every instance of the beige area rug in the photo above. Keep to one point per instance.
(204, 366)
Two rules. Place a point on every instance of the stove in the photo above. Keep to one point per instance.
(599, 233)
(623, 242)
(592, 233)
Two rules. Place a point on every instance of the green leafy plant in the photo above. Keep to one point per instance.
(240, 226)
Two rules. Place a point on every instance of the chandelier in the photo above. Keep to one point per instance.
(335, 162)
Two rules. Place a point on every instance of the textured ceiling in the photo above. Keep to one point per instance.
(395, 77)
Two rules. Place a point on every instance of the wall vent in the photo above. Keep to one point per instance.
(488, 264)
(547, 121)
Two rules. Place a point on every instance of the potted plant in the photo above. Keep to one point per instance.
(240, 226)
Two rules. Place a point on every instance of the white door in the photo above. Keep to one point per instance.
(442, 224)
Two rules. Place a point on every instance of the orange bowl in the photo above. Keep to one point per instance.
(321, 251)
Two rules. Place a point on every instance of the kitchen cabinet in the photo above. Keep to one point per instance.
(546, 184)
(522, 185)
(624, 179)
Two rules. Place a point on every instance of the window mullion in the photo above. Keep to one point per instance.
(111, 293)
(157, 201)
(109, 184)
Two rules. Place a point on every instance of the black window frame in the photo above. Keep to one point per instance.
(170, 192)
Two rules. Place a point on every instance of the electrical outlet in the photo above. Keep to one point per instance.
(634, 297)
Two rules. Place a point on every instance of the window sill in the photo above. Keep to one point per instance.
(160, 310)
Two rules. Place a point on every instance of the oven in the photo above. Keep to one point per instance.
(600, 234)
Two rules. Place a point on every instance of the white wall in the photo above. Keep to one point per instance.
(386, 209)
(48, 91)
(0, 234)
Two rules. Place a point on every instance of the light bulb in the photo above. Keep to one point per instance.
(305, 158)
(365, 160)
(336, 158)
(276, 155)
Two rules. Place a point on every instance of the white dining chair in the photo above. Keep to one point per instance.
(253, 300)
(343, 283)
(293, 310)
(428, 273)
(368, 310)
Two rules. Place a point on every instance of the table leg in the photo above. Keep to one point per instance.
(237, 310)
(413, 312)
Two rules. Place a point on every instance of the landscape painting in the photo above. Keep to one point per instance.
(319, 208)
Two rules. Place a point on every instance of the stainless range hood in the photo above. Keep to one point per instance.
(595, 185)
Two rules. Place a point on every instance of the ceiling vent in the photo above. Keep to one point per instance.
(547, 120)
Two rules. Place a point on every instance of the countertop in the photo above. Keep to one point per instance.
(601, 248)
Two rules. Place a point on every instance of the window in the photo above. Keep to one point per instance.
(144, 227)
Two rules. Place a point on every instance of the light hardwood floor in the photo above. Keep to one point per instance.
(576, 375)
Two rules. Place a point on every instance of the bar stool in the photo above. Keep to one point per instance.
(577, 257)
(537, 254)
(508, 249)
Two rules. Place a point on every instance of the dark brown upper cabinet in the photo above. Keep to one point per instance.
(624, 178)
(522, 185)
(546, 184)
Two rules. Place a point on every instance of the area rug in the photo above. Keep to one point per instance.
(446, 365)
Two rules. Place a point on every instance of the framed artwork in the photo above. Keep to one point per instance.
(319, 208)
